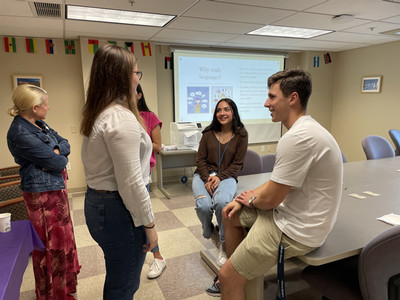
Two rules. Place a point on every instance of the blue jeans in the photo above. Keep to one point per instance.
(111, 226)
(206, 205)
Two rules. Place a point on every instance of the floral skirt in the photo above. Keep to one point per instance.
(56, 268)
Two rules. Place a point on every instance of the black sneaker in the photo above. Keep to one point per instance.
(215, 237)
(214, 290)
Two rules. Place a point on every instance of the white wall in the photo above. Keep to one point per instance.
(355, 114)
(62, 78)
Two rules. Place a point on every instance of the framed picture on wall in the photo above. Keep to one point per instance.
(27, 79)
(371, 84)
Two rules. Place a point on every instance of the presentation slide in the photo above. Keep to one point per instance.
(203, 78)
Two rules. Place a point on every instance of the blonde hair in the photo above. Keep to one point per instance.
(25, 97)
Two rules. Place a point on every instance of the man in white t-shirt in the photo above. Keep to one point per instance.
(297, 208)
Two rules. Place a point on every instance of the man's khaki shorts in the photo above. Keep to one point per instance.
(258, 252)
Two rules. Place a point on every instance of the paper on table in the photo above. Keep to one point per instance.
(391, 219)
(168, 147)
(190, 138)
(357, 196)
(371, 193)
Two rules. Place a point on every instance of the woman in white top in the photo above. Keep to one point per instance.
(116, 154)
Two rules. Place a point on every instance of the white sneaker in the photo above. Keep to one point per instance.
(156, 268)
(221, 257)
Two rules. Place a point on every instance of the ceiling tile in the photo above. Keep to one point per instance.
(316, 21)
(15, 8)
(373, 28)
(236, 12)
(327, 45)
(352, 37)
(363, 9)
(38, 27)
(189, 36)
(208, 25)
(281, 4)
(395, 19)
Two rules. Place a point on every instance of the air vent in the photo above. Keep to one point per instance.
(48, 10)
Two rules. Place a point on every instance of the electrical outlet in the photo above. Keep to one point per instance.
(68, 166)
(262, 148)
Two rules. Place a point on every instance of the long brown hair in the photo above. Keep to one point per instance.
(110, 82)
(237, 124)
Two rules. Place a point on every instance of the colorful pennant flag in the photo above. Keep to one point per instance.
(69, 46)
(146, 50)
(93, 46)
(112, 42)
(168, 63)
(316, 61)
(31, 45)
(9, 44)
(327, 58)
(49, 46)
(129, 46)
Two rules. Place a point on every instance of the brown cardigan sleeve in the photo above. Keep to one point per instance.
(233, 160)
(206, 161)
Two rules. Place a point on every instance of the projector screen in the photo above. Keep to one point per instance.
(202, 78)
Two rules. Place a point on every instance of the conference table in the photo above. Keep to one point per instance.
(356, 223)
(15, 248)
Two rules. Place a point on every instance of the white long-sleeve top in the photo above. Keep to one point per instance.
(116, 156)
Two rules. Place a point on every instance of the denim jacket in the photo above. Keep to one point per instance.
(33, 149)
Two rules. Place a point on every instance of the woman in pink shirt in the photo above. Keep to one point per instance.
(153, 127)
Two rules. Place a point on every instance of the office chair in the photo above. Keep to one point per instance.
(395, 136)
(11, 200)
(4, 179)
(14, 170)
(252, 163)
(366, 276)
(268, 162)
(343, 157)
(376, 147)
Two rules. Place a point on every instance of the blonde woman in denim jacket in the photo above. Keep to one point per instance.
(42, 155)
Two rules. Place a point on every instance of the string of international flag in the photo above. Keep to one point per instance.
(10, 45)
(69, 46)
(326, 58)
(145, 46)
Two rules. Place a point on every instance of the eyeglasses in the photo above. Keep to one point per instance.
(139, 74)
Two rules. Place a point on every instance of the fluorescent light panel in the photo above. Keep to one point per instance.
(95, 14)
(291, 32)
(392, 32)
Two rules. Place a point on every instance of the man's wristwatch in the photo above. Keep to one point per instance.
(251, 204)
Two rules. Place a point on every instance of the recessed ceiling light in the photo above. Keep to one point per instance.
(392, 32)
(84, 13)
(292, 32)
